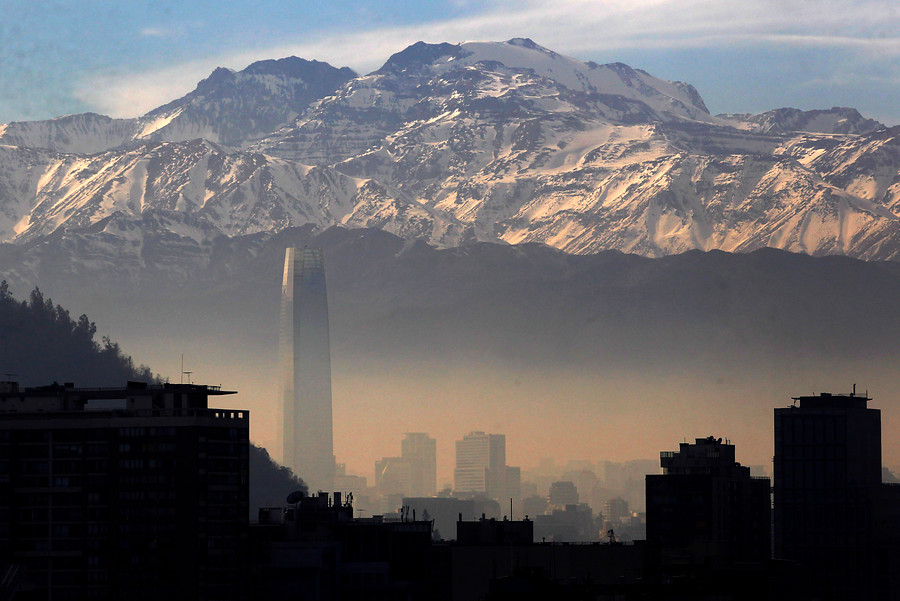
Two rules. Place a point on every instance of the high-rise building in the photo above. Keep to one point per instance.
(392, 476)
(562, 493)
(305, 363)
(827, 482)
(481, 467)
(138, 492)
(614, 511)
(420, 452)
(705, 510)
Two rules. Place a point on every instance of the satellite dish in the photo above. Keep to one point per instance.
(295, 497)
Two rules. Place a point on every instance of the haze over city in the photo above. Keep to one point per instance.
(61, 58)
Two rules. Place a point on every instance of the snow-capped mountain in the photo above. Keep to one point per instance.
(480, 141)
(836, 120)
(228, 107)
(194, 182)
(488, 85)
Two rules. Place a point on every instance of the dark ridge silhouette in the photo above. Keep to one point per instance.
(41, 341)
(270, 482)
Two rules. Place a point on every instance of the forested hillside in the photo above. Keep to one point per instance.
(40, 343)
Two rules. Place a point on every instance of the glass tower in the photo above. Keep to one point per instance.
(305, 365)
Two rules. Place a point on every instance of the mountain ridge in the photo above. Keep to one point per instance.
(456, 143)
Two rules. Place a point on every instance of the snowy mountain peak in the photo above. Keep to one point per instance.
(218, 77)
(836, 120)
(668, 99)
(233, 108)
(297, 68)
(418, 55)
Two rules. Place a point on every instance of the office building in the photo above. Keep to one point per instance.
(705, 511)
(562, 493)
(392, 476)
(420, 453)
(481, 464)
(827, 482)
(414, 473)
(305, 365)
(138, 492)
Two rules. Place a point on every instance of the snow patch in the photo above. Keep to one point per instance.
(160, 122)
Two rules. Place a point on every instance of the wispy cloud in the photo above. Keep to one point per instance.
(171, 30)
(155, 32)
(577, 27)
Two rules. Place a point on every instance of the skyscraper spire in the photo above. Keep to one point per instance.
(305, 366)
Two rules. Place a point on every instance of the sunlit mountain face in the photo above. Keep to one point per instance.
(502, 142)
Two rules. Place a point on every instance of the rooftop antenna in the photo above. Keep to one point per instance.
(185, 373)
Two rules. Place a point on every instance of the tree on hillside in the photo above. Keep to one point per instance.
(270, 482)
(40, 343)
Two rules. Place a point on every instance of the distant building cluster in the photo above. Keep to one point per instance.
(481, 472)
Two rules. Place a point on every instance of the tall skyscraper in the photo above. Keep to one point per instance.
(305, 363)
(827, 482)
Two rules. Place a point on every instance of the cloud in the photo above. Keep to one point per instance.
(155, 32)
(171, 30)
(583, 28)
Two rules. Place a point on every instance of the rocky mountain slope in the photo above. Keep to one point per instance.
(228, 107)
(503, 142)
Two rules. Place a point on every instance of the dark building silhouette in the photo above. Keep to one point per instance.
(315, 549)
(705, 513)
(122, 493)
(570, 523)
(305, 366)
(562, 493)
(445, 512)
(496, 559)
(827, 486)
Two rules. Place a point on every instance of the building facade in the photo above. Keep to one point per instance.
(827, 482)
(392, 476)
(706, 511)
(138, 492)
(420, 452)
(481, 464)
(305, 366)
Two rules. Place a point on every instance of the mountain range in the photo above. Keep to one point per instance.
(452, 143)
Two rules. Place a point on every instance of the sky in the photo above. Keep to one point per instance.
(125, 58)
